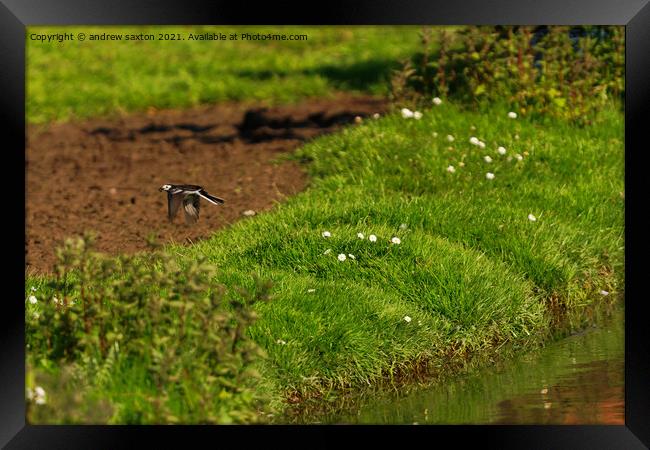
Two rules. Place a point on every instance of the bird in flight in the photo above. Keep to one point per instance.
(189, 196)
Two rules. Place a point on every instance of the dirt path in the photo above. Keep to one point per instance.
(104, 175)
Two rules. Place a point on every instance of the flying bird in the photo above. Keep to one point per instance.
(190, 196)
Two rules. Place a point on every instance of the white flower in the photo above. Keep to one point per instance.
(516, 137)
(351, 256)
(403, 226)
(372, 238)
(341, 257)
(461, 164)
(32, 300)
(407, 319)
(604, 293)
(375, 116)
(417, 115)
(407, 113)
(532, 218)
(435, 134)
(360, 235)
(489, 176)
(519, 157)
(512, 115)
(487, 159)
(473, 140)
(501, 150)
(249, 213)
(327, 252)
(281, 342)
(358, 119)
(396, 240)
(39, 395)
(326, 234)
(311, 290)
(36, 315)
(451, 169)
(437, 101)
(55, 300)
(450, 138)
(33, 288)
(481, 144)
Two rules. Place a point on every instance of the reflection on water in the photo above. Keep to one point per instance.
(577, 380)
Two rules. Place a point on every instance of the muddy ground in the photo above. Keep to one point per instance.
(104, 175)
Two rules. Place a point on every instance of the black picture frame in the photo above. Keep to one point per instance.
(15, 15)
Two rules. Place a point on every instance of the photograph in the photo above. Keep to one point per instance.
(333, 224)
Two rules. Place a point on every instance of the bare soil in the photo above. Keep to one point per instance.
(103, 174)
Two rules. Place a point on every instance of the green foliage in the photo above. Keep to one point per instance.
(107, 314)
(567, 73)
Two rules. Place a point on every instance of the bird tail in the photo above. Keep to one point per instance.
(211, 198)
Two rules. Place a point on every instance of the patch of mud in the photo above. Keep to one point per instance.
(104, 175)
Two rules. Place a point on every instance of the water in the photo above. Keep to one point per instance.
(576, 380)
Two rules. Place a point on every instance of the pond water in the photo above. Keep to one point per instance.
(578, 379)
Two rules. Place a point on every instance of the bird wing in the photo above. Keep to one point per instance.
(191, 207)
(211, 198)
(173, 203)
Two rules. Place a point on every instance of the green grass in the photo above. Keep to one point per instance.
(75, 79)
(472, 271)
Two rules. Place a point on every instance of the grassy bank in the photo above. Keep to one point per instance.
(72, 79)
(478, 263)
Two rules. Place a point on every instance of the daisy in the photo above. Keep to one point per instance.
(532, 218)
(326, 234)
(341, 257)
(501, 150)
(487, 159)
(372, 238)
(396, 240)
(473, 140)
(512, 115)
(32, 300)
(450, 138)
(407, 113)
(436, 101)
(407, 319)
(451, 169)
(417, 115)
(489, 176)
(360, 235)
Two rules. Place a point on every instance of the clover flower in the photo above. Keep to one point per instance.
(436, 101)
(351, 256)
(326, 234)
(396, 240)
(512, 115)
(281, 342)
(375, 116)
(417, 115)
(32, 300)
(450, 138)
(360, 235)
(489, 176)
(407, 319)
(451, 169)
(487, 159)
(532, 218)
(519, 157)
(341, 257)
(327, 252)
(481, 144)
(358, 119)
(501, 150)
(372, 238)
(473, 140)
(604, 293)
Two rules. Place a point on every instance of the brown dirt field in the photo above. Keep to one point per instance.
(103, 175)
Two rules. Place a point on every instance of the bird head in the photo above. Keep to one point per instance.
(165, 187)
